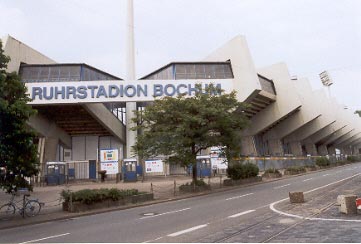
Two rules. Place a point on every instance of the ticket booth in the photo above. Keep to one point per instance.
(204, 168)
(129, 169)
(55, 173)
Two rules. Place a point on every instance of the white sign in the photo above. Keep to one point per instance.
(219, 163)
(110, 167)
(154, 166)
(109, 155)
(116, 90)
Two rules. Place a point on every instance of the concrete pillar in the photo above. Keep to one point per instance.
(322, 150)
(50, 151)
(247, 146)
(275, 147)
(296, 148)
(332, 150)
(311, 149)
(130, 64)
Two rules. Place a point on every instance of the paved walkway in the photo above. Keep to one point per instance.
(163, 187)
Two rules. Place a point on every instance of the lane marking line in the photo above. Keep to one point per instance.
(272, 205)
(231, 198)
(156, 239)
(242, 213)
(278, 187)
(176, 211)
(187, 230)
(307, 179)
(325, 174)
(45, 238)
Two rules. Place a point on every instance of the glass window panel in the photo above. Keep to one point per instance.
(180, 68)
(54, 73)
(44, 73)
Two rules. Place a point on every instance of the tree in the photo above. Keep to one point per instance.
(18, 153)
(358, 112)
(180, 127)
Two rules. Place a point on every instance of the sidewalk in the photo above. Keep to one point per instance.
(164, 188)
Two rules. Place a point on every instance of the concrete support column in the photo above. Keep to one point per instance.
(296, 148)
(131, 136)
(331, 150)
(275, 147)
(248, 147)
(311, 149)
(322, 150)
(50, 151)
(347, 150)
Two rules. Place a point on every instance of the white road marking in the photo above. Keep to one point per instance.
(176, 211)
(45, 238)
(271, 206)
(156, 239)
(307, 179)
(187, 230)
(278, 187)
(325, 174)
(238, 196)
(240, 214)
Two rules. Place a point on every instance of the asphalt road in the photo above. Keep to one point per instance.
(186, 220)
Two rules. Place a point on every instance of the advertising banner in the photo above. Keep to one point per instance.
(109, 155)
(110, 167)
(154, 166)
(219, 163)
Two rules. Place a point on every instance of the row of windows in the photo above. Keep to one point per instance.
(60, 73)
(193, 71)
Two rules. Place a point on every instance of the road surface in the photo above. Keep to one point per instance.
(187, 220)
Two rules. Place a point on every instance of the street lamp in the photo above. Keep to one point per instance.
(326, 81)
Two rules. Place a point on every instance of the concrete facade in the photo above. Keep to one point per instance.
(287, 117)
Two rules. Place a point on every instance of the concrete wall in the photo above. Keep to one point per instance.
(20, 52)
(246, 81)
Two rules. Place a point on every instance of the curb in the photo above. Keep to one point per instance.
(100, 211)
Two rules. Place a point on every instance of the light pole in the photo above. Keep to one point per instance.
(326, 81)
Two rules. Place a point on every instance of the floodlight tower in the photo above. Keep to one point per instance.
(130, 75)
(326, 81)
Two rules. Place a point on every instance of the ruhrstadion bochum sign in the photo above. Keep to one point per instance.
(115, 90)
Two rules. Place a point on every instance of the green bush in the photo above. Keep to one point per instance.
(293, 170)
(322, 162)
(272, 171)
(311, 167)
(340, 163)
(89, 196)
(198, 184)
(242, 171)
(351, 159)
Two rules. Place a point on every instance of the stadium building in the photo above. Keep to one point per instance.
(82, 111)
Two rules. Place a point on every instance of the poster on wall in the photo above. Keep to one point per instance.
(219, 163)
(154, 166)
(109, 155)
(110, 167)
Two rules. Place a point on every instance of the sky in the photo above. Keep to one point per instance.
(310, 36)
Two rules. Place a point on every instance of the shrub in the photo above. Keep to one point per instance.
(272, 171)
(351, 159)
(242, 171)
(199, 184)
(293, 170)
(322, 162)
(311, 167)
(89, 196)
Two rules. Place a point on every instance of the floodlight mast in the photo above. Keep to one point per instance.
(326, 81)
(130, 75)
